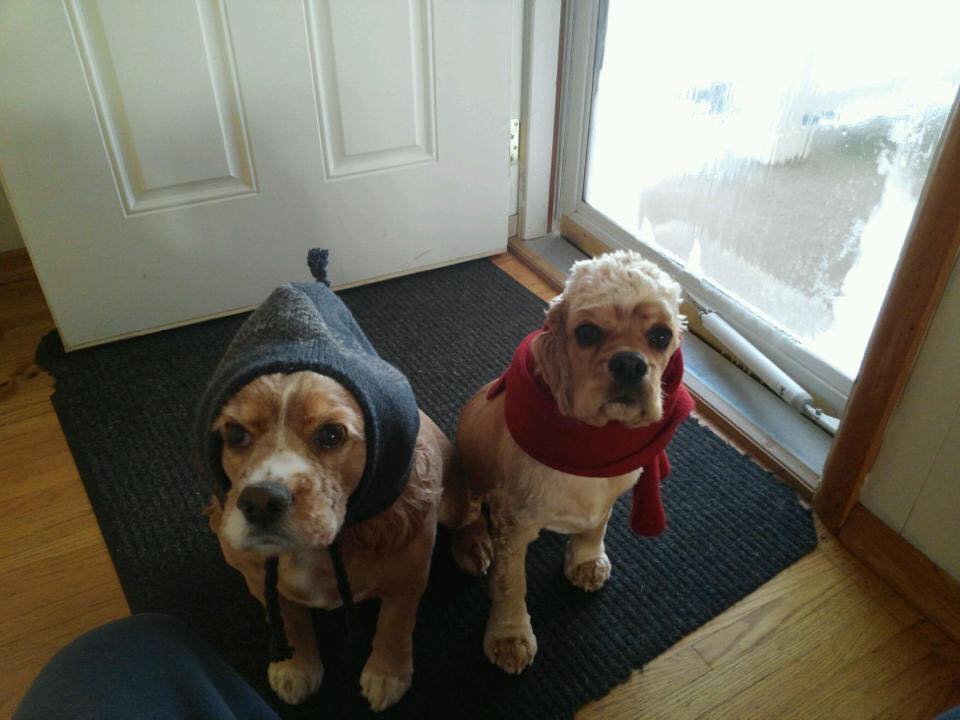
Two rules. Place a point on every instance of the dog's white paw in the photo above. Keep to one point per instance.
(510, 650)
(589, 575)
(382, 691)
(294, 680)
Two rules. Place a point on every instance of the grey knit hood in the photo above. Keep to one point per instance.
(305, 326)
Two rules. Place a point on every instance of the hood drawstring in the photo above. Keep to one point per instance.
(279, 647)
(306, 327)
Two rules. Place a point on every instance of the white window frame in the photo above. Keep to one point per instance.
(812, 372)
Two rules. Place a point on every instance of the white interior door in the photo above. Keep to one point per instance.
(174, 161)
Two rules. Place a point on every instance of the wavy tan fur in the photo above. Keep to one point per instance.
(387, 556)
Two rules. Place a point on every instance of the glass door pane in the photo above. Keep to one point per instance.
(775, 149)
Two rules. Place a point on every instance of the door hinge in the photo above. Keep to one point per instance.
(514, 140)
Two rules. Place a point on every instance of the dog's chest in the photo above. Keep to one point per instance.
(574, 504)
(309, 579)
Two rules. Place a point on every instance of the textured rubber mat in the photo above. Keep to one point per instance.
(127, 410)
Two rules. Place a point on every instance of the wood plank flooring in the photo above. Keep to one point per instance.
(824, 639)
(56, 578)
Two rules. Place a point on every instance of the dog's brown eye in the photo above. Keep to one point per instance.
(329, 436)
(236, 436)
(588, 334)
(659, 336)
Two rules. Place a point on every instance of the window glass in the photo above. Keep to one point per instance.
(777, 150)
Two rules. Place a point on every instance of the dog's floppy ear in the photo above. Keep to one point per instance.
(550, 354)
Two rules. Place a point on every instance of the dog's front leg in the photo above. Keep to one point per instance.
(389, 669)
(586, 564)
(509, 641)
(298, 677)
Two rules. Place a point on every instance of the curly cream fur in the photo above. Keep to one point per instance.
(619, 278)
(550, 354)
(612, 291)
(625, 297)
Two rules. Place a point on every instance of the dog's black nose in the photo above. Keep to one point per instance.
(264, 503)
(627, 368)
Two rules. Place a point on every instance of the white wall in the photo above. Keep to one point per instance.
(9, 232)
(914, 486)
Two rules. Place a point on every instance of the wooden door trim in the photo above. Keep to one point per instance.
(932, 590)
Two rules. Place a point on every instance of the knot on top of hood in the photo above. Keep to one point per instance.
(317, 261)
(305, 326)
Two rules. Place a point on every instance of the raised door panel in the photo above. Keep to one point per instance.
(372, 65)
(163, 85)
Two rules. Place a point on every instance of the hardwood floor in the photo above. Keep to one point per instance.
(56, 578)
(824, 639)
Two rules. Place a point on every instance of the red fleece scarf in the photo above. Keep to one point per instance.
(576, 448)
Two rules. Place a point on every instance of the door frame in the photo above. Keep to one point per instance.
(543, 24)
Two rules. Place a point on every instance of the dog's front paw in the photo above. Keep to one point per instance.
(589, 575)
(294, 680)
(511, 650)
(382, 690)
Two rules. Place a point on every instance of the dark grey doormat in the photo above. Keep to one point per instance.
(127, 408)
